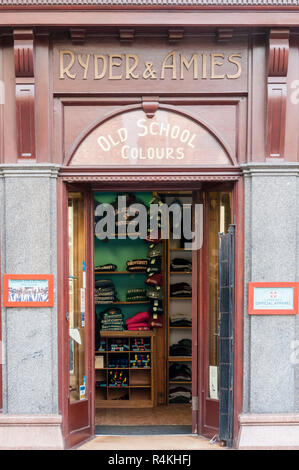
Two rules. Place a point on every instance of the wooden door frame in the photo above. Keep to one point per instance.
(156, 184)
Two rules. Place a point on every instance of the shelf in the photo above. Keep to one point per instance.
(119, 272)
(180, 298)
(180, 272)
(181, 327)
(179, 358)
(125, 333)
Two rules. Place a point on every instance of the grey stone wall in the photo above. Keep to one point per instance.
(271, 254)
(29, 246)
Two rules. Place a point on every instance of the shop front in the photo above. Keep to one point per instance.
(136, 171)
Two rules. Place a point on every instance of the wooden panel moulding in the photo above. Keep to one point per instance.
(278, 57)
(25, 91)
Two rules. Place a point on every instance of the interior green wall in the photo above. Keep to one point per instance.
(119, 252)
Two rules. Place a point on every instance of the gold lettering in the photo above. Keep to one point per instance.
(97, 75)
(84, 64)
(237, 63)
(204, 66)
(130, 68)
(185, 63)
(214, 63)
(65, 70)
(112, 64)
(172, 65)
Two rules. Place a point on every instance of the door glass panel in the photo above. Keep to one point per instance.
(219, 220)
(76, 234)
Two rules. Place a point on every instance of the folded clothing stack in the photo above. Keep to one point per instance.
(154, 279)
(180, 319)
(104, 292)
(156, 321)
(182, 348)
(119, 344)
(139, 322)
(181, 264)
(180, 395)
(137, 265)
(140, 344)
(118, 362)
(180, 289)
(112, 320)
(135, 295)
(105, 267)
(180, 372)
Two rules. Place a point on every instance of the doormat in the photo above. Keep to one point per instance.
(142, 430)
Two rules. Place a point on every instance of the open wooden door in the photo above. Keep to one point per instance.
(217, 217)
(79, 319)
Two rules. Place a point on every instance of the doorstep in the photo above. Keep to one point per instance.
(170, 442)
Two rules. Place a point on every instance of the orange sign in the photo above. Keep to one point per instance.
(167, 139)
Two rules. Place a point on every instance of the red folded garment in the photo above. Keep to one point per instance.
(138, 325)
(138, 318)
(155, 280)
(156, 322)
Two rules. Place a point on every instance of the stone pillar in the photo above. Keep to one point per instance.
(271, 403)
(29, 246)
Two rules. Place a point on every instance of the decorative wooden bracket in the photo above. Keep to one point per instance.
(224, 34)
(78, 35)
(277, 92)
(126, 35)
(24, 72)
(175, 35)
(150, 105)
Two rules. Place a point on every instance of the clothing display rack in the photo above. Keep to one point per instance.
(179, 308)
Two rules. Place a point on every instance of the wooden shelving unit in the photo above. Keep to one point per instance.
(140, 391)
(174, 304)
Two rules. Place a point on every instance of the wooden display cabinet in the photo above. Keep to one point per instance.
(140, 391)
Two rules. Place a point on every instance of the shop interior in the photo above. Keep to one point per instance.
(143, 356)
(143, 308)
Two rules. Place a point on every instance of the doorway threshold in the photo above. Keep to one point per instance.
(142, 430)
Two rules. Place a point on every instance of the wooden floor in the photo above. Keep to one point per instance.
(160, 415)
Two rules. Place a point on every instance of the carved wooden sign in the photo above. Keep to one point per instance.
(166, 139)
(198, 65)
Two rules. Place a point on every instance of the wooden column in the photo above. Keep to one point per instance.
(25, 91)
(277, 92)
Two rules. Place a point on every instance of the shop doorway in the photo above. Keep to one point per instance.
(132, 367)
